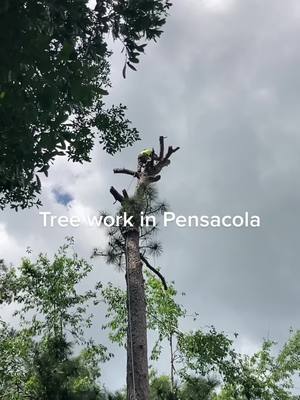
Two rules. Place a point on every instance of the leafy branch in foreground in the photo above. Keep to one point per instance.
(37, 360)
(46, 292)
(54, 77)
(268, 374)
(46, 369)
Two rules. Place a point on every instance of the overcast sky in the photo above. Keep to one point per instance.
(223, 83)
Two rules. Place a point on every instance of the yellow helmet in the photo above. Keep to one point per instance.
(147, 152)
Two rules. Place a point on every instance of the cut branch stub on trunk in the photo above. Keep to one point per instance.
(126, 172)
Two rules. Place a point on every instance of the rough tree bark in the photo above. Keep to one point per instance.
(137, 357)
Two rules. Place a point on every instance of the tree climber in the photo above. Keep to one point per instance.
(146, 156)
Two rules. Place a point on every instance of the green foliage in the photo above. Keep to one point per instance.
(162, 312)
(192, 388)
(37, 360)
(198, 388)
(161, 388)
(16, 354)
(147, 203)
(58, 375)
(208, 352)
(265, 375)
(115, 299)
(49, 291)
(54, 76)
(197, 352)
(198, 355)
(46, 370)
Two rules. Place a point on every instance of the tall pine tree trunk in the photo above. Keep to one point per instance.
(137, 357)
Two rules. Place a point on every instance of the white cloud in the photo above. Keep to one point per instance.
(217, 6)
(9, 248)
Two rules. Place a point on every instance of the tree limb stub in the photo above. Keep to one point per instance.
(125, 194)
(154, 178)
(171, 151)
(161, 147)
(117, 196)
(126, 172)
